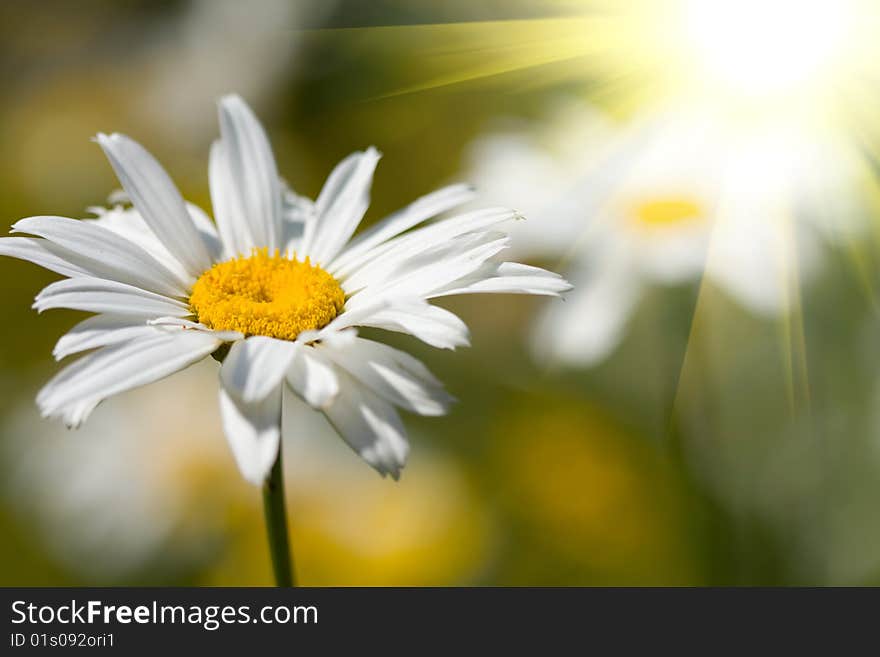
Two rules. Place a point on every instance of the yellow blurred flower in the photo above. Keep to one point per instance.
(594, 495)
(350, 528)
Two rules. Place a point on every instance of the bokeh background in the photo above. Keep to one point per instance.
(712, 417)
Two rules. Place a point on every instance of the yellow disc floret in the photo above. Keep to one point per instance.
(666, 212)
(267, 295)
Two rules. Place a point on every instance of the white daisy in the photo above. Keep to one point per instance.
(280, 283)
(179, 77)
(663, 200)
(129, 497)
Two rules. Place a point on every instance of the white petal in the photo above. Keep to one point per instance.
(235, 233)
(207, 231)
(343, 338)
(754, 258)
(507, 277)
(370, 425)
(431, 270)
(255, 367)
(178, 323)
(101, 331)
(107, 254)
(312, 377)
(391, 373)
(436, 326)
(252, 172)
(377, 264)
(157, 199)
(128, 223)
(99, 296)
(592, 321)
(77, 413)
(341, 206)
(253, 432)
(335, 181)
(415, 213)
(346, 319)
(74, 391)
(43, 253)
(296, 213)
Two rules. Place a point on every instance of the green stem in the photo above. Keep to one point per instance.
(276, 525)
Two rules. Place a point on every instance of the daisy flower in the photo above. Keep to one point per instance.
(275, 289)
(663, 200)
(178, 76)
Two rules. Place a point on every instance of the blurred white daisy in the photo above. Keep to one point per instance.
(662, 200)
(280, 282)
(130, 493)
(144, 492)
(186, 60)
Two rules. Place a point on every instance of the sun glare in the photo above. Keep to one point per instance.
(760, 47)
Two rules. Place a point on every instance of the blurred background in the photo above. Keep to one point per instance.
(701, 409)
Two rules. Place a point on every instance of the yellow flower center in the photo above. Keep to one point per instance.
(666, 212)
(266, 295)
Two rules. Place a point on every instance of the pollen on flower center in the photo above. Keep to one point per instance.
(267, 295)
